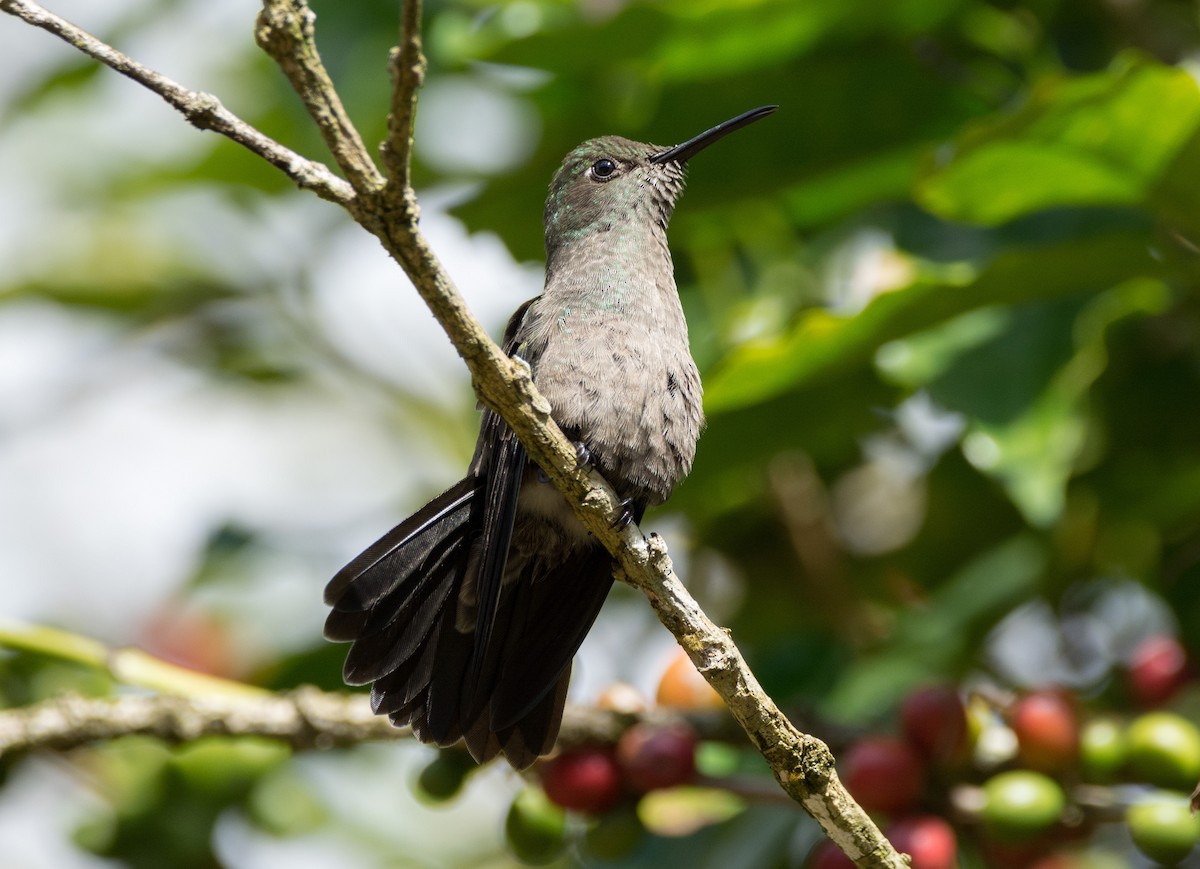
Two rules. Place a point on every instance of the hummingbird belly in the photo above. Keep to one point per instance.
(632, 396)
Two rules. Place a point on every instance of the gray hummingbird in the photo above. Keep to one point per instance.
(465, 617)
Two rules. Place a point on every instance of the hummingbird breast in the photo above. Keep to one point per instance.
(608, 346)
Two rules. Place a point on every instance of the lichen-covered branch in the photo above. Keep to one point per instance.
(802, 764)
(285, 32)
(201, 110)
(407, 66)
(306, 718)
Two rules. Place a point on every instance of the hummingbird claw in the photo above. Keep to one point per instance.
(624, 517)
(583, 458)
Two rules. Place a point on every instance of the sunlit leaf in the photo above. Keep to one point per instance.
(821, 342)
(1102, 139)
(1034, 451)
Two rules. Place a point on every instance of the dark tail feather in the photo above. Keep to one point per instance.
(399, 603)
(391, 598)
(564, 605)
(533, 736)
(518, 709)
(403, 622)
(397, 556)
(409, 604)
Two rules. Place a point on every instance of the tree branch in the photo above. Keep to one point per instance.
(188, 704)
(306, 718)
(202, 110)
(802, 764)
(407, 66)
(285, 32)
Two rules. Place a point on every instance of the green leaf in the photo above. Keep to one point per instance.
(919, 359)
(853, 185)
(821, 342)
(849, 132)
(1103, 139)
(1034, 453)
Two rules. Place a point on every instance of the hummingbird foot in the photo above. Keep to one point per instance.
(624, 517)
(583, 458)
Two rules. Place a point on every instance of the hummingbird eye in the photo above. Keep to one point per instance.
(603, 169)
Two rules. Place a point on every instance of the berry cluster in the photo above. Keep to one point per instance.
(602, 783)
(605, 783)
(1027, 779)
(1015, 779)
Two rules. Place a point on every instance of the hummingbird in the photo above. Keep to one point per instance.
(465, 617)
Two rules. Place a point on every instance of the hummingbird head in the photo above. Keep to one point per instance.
(612, 180)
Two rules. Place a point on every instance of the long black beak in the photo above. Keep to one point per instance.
(681, 153)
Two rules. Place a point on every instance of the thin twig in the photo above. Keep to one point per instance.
(202, 110)
(285, 32)
(407, 66)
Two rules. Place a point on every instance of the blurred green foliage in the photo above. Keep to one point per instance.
(163, 803)
(981, 215)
